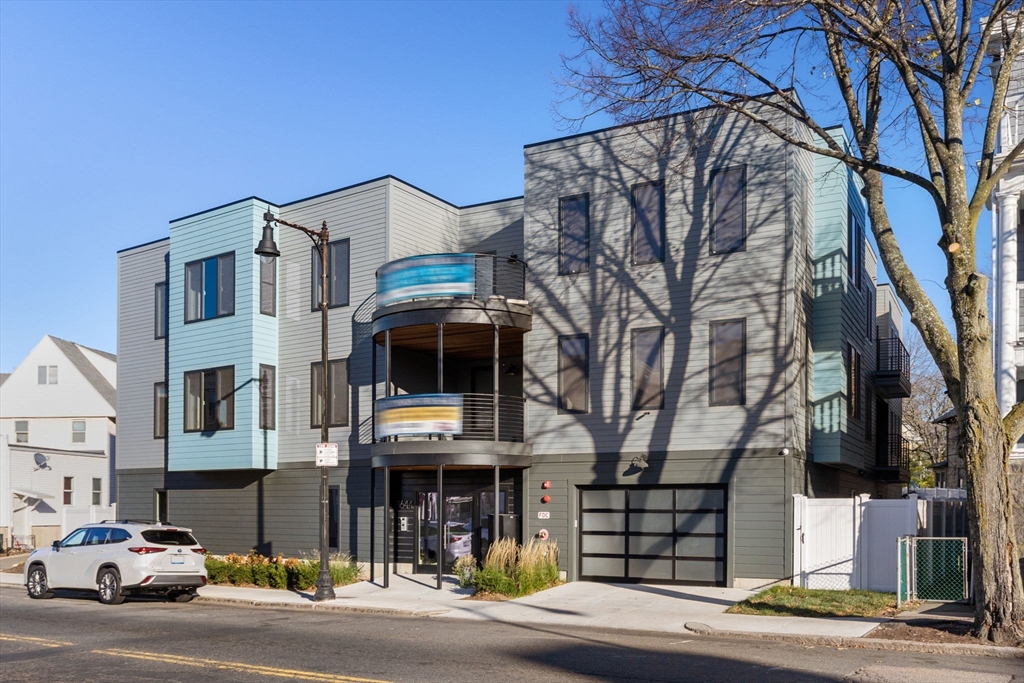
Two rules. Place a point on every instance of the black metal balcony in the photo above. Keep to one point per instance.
(892, 369)
(894, 460)
(449, 417)
(451, 276)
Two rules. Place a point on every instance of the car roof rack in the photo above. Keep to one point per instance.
(152, 522)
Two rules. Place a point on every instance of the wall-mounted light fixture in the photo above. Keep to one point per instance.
(641, 416)
(640, 462)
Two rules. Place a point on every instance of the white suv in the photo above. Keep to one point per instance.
(117, 559)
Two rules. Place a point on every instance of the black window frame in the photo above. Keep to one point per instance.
(268, 304)
(160, 417)
(660, 258)
(315, 275)
(712, 364)
(585, 196)
(219, 288)
(314, 386)
(854, 387)
(205, 412)
(334, 517)
(715, 251)
(160, 317)
(634, 375)
(267, 397)
(586, 374)
(855, 251)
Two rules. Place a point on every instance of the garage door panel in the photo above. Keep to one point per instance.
(611, 567)
(700, 499)
(652, 570)
(610, 499)
(604, 545)
(700, 522)
(699, 570)
(650, 545)
(651, 499)
(604, 521)
(650, 522)
(700, 546)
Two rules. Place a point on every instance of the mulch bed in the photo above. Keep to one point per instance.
(928, 631)
(16, 569)
(487, 597)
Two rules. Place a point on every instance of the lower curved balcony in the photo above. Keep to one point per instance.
(464, 430)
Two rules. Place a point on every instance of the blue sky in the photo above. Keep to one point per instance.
(116, 118)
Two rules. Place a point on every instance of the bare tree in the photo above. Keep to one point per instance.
(925, 405)
(905, 73)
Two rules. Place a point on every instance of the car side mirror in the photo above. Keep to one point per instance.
(56, 545)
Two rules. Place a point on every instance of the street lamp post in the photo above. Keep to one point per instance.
(267, 251)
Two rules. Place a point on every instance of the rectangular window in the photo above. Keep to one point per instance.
(268, 287)
(729, 210)
(649, 223)
(855, 260)
(337, 393)
(871, 320)
(210, 399)
(160, 505)
(853, 380)
(47, 374)
(268, 395)
(333, 516)
(160, 410)
(648, 369)
(210, 288)
(574, 234)
(69, 490)
(1020, 390)
(1020, 250)
(727, 371)
(869, 413)
(21, 431)
(78, 431)
(573, 374)
(1020, 314)
(337, 274)
(160, 310)
(97, 491)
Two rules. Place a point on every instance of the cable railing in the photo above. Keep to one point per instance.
(442, 276)
(458, 417)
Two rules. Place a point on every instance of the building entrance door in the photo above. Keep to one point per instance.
(467, 520)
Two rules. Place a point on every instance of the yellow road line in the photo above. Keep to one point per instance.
(35, 641)
(237, 666)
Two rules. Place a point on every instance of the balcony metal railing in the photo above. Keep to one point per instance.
(893, 358)
(477, 420)
(897, 453)
(437, 276)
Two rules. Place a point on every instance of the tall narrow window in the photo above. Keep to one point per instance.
(69, 490)
(160, 310)
(333, 517)
(210, 399)
(268, 396)
(21, 431)
(160, 505)
(210, 288)
(78, 431)
(97, 491)
(574, 234)
(160, 410)
(1020, 314)
(337, 394)
(727, 372)
(337, 274)
(871, 320)
(729, 210)
(268, 287)
(649, 223)
(573, 374)
(648, 385)
(855, 261)
(853, 382)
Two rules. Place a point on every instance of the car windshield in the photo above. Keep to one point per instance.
(168, 537)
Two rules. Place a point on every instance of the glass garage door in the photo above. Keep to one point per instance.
(656, 535)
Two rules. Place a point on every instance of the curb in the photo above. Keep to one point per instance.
(319, 606)
(864, 643)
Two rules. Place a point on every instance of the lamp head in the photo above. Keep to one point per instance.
(267, 249)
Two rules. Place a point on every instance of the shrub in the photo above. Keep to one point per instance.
(514, 570)
(277, 572)
(465, 568)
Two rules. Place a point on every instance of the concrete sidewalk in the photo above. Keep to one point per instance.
(621, 606)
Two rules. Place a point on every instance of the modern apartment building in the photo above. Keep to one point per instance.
(642, 358)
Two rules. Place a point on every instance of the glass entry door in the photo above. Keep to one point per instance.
(467, 530)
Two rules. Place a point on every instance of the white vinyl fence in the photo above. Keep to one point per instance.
(843, 543)
(74, 517)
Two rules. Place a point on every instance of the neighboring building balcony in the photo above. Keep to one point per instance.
(892, 371)
(450, 328)
(894, 460)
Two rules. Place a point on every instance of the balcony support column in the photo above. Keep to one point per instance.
(497, 508)
(440, 358)
(373, 517)
(387, 525)
(440, 524)
(497, 377)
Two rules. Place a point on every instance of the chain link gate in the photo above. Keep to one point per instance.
(931, 569)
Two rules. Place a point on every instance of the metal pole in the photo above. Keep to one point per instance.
(440, 358)
(373, 517)
(324, 584)
(440, 523)
(387, 523)
(496, 377)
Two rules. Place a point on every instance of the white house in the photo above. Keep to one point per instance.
(57, 438)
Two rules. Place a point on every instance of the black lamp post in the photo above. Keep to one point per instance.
(267, 251)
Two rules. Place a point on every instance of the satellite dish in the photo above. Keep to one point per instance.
(41, 461)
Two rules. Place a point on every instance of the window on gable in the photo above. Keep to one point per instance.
(573, 374)
(574, 234)
(210, 288)
(648, 363)
(47, 374)
(210, 399)
(337, 394)
(649, 223)
(268, 287)
(69, 490)
(21, 431)
(727, 375)
(160, 410)
(160, 310)
(78, 431)
(268, 397)
(337, 274)
(729, 210)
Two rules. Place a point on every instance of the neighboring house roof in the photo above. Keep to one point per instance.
(88, 370)
(4, 376)
(947, 416)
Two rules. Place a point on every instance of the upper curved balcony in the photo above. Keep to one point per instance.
(452, 288)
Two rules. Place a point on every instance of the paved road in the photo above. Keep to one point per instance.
(73, 638)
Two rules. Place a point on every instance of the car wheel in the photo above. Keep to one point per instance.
(184, 596)
(109, 587)
(38, 589)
